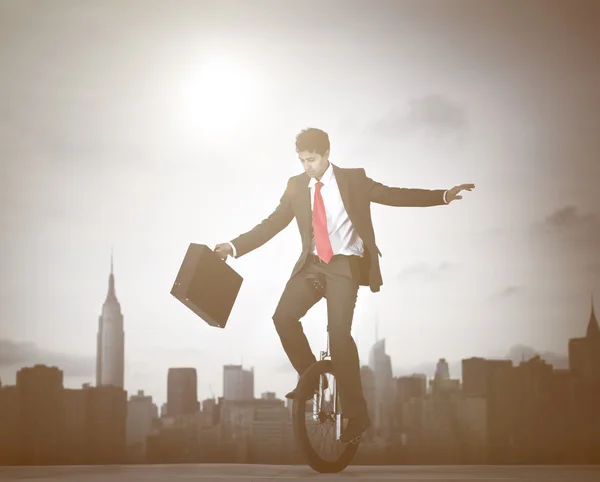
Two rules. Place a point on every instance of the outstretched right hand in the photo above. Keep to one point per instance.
(224, 250)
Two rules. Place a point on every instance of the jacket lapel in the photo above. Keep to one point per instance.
(305, 208)
(304, 196)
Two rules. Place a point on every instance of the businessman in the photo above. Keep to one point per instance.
(332, 207)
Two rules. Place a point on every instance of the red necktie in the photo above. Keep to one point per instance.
(320, 226)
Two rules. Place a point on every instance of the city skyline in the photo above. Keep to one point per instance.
(376, 352)
(499, 413)
(109, 139)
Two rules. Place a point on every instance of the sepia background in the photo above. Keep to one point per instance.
(138, 127)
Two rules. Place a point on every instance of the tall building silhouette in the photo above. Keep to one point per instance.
(141, 414)
(238, 384)
(40, 392)
(110, 357)
(496, 382)
(182, 391)
(380, 364)
(442, 370)
(584, 353)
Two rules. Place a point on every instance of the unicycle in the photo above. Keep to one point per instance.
(318, 423)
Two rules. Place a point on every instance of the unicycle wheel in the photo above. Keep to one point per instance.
(325, 456)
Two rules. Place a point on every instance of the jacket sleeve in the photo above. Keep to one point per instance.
(401, 197)
(268, 228)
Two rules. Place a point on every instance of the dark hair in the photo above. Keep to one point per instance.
(312, 140)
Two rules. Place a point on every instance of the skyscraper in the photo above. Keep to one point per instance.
(182, 392)
(238, 384)
(442, 370)
(40, 391)
(584, 353)
(381, 365)
(110, 357)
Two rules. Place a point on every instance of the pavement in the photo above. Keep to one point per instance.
(257, 473)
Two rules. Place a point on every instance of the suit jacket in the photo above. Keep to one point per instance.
(358, 192)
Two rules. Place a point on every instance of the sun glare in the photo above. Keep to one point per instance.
(219, 95)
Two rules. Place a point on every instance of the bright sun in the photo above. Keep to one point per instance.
(219, 95)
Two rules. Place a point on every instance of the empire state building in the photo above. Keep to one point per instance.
(110, 357)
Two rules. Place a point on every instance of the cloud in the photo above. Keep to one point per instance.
(516, 354)
(424, 271)
(19, 354)
(510, 291)
(433, 113)
(569, 224)
(284, 368)
(428, 369)
(568, 218)
(519, 353)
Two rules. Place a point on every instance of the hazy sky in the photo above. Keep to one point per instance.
(145, 125)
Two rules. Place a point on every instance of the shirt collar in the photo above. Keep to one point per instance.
(328, 176)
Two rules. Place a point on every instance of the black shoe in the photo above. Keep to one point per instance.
(292, 395)
(355, 428)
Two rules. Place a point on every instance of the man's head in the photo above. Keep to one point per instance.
(312, 146)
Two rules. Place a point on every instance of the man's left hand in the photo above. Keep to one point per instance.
(452, 194)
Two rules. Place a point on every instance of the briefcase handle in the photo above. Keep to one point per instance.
(224, 260)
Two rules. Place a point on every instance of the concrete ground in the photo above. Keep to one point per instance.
(224, 473)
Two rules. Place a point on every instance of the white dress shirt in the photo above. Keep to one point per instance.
(343, 237)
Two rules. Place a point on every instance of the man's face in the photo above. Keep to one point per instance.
(314, 164)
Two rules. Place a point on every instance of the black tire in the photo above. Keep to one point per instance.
(304, 388)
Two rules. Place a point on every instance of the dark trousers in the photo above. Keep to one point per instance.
(341, 288)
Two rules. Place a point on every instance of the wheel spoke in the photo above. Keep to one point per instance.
(317, 438)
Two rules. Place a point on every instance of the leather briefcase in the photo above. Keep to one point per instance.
(207, 285)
